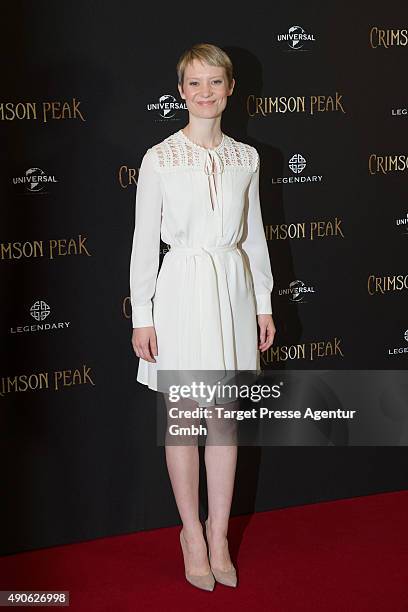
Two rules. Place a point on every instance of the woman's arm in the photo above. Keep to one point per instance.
(144, 261)
(256, 247)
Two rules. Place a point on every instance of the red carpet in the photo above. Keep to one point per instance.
(343, 556)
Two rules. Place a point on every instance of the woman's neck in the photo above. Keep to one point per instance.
(204, 137)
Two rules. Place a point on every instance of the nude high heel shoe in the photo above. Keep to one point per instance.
(229, 577)
(206, 581)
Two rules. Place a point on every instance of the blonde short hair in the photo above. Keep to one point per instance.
(205, 52)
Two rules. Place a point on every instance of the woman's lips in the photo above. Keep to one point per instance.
(206, 103)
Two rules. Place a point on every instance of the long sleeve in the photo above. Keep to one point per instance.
(255, 246)
(144, 261)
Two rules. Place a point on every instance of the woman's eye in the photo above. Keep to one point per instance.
(217, 82)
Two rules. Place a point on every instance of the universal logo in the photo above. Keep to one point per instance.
(297, 291)
(401, 349)
(296, 38)
(403, 223)
(297, 164)
(35, 180)
(40, 311)
(167, 107)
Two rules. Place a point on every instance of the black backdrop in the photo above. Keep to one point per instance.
(79, 452)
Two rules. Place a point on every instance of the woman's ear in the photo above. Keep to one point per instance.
(180, 90)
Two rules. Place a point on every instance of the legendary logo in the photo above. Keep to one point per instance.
(40, 311)
(399, 112)
(297, 163)
(400, 349)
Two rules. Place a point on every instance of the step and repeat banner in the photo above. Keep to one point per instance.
(86, 89)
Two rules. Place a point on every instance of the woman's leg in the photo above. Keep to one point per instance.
(220, 459)
(183, 466)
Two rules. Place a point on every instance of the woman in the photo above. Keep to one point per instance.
(198, 190)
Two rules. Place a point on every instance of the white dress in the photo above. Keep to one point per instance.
(217, 275)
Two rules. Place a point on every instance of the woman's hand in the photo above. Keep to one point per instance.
(144, 343)
(267, 331)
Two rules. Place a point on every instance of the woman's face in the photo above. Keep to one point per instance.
(205, 89)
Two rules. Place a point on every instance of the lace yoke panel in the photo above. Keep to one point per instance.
(176, 152)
